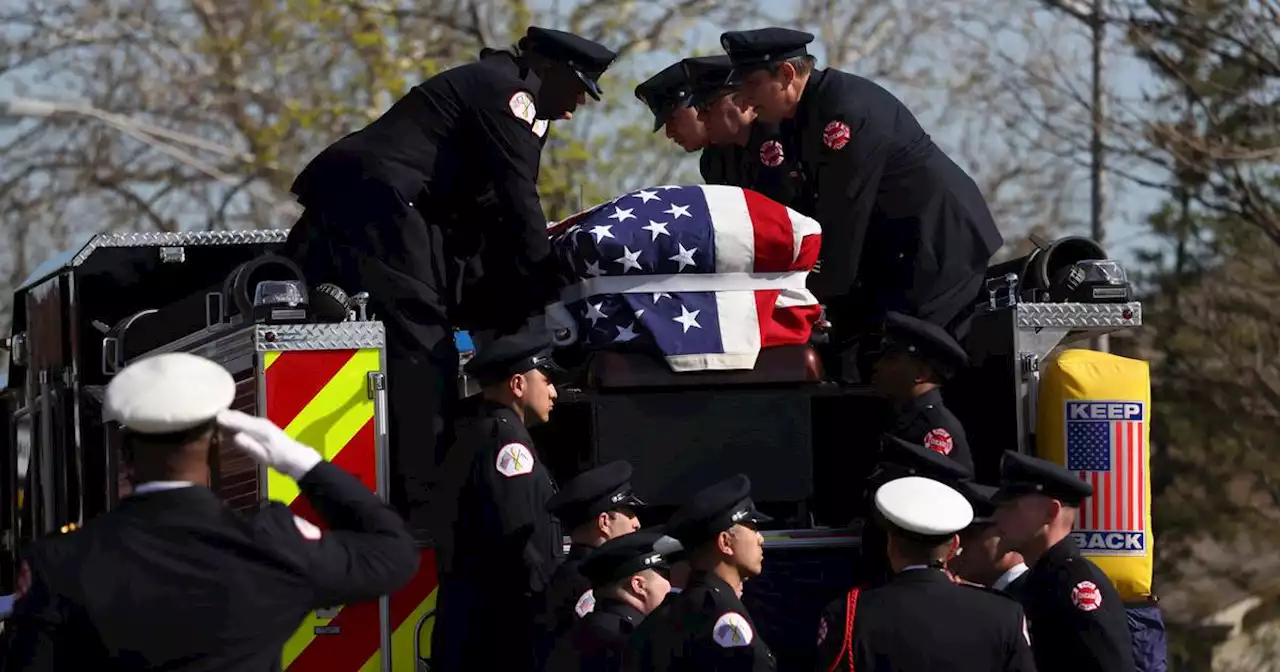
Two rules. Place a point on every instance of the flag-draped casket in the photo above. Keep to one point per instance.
(704, 276)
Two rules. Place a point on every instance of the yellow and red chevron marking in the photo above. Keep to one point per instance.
(320, 398)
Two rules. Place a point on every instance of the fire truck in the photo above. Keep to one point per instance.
(313, 362)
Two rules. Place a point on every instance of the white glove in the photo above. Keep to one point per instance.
(268, 444)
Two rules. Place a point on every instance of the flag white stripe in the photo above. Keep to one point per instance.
(739, 323)
(735, 236)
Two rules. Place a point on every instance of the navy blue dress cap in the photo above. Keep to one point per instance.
(624, 556)
(587, 58)
(982, 498)
(923, 339)
(708, 78)
(512, 355)
(754, 49)
(595, 491)
(664, 93)
(714, 510)
(1025, 475)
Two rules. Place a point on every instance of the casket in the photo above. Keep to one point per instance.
(703, 276)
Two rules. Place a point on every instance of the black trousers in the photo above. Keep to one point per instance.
(393, 255)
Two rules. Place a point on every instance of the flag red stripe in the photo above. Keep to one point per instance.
(1133, 451)
(1142, 477)
(774, 234)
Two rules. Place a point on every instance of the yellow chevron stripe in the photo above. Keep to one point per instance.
(327, 423)
(402, 640)
(331, 419)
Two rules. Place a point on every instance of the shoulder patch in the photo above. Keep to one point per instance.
(540, 127)
(939, 441)
(822, 630)
(771, 153)
(586, 603)
(1086, 596)
(836, 134)
(522, 106)
(515, 459)
(732, 630)
(307, 528)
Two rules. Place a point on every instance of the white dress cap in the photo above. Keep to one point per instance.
(168, 393)
(924, 506)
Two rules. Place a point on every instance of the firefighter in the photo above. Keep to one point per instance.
(433, 210)
(629, 575)
(753, 155)
(497, 544)
(595, 506)
(903, 227)
(706, 626)
(984, 557)
(914, 359)
(921, 620)
(172, 579)
(1078, 622)
(665, 95)
(898, 459)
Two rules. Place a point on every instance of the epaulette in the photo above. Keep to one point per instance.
(986, 589)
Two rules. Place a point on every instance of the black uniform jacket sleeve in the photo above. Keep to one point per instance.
(518, 486)
(365, 553)
(512, 152)
(40, 634)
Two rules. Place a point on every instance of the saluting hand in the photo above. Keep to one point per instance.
(268, 444)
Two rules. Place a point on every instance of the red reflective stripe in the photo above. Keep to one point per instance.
(358, 624)
(295, 378)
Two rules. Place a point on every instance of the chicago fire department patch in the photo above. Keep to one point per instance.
(540, 127)
(522, 106)
(732, 630)
(586, 604)
(939, 441)
(836, 135)
(515, 459)
(1086, 596)
(771, 153)
(822, 630)
(307, 529)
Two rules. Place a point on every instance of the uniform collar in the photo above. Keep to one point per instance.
(920, 574)
(808, 104)
(619, 608)
(1010, 576)
(1058, 552)
(931, 398)
(579, 551)
(513, 65)
(159, 486)
(712, 581)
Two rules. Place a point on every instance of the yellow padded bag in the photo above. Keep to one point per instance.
(1094, 414)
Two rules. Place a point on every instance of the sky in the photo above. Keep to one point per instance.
(1127, 205)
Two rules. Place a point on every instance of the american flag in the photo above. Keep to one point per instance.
(1106, 446)
(705, 275)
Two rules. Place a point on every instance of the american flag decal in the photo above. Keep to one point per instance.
(705, 276)
(1106, 447)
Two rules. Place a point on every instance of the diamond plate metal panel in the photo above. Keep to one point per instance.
(192, 238)
(1079, 315)
(342, 336)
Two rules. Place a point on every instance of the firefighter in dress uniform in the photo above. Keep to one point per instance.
(898, 459)
(984, 557)
(171, 578)
(706, 626)
(665, 94)
(903, 227)
(752, 155)
(433, 210)
(595, 506)
(921, 620)
(497, 544)
(914, 359)
(629, 576)
(1078, 622)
